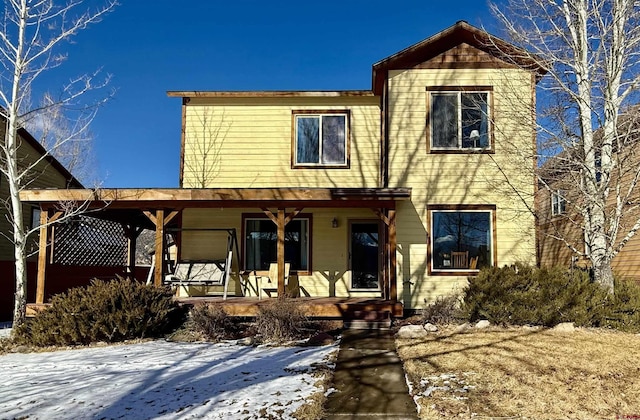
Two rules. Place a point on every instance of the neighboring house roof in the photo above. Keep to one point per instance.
(445, 40)
(72, 182)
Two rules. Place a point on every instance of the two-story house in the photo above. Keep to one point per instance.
(397, 193)
(563, 239)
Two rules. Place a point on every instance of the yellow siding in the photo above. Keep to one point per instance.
(44, 176)
(247, 143)
(478, 179)
(329, 253)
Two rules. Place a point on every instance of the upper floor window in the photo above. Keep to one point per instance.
(459, 118)
(320, 138)
(558, 202)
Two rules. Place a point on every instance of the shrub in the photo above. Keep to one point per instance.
(212, 321)
(444, 310)
(280, 320)
(522, 294)
(622, 311)
(109, 311)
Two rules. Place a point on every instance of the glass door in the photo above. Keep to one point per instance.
(364, 255)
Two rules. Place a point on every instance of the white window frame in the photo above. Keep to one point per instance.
(558, 203)
(459, 93)
(320, 116)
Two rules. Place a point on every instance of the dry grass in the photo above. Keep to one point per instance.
(313, 409)
(525, 373)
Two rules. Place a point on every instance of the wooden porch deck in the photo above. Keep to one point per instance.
(314, 307)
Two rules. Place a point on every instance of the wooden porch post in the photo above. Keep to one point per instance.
(159, 249)
(280, 251)
(393, 280)
(160, 221)
(42, 255)
(384, 252)
(45, 226)
(280, 219)
(132, 233)
(390, 281)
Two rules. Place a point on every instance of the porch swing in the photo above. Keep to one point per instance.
(210, 272)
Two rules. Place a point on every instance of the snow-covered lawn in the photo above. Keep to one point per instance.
(160, 380)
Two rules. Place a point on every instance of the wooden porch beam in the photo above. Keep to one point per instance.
(291, 215)
(270, 215)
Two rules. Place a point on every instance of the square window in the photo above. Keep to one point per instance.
(260, 243)
(461, 240)
(320, 139)
(459, 120)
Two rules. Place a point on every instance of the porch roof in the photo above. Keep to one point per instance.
(178, 198)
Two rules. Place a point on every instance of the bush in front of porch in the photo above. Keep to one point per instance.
(108, 311)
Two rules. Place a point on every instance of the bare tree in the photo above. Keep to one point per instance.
(31, 33)
(591, 49)
(204, 141)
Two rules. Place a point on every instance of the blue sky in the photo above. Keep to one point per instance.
(152, 47)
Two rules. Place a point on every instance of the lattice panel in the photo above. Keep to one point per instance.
(87, 241)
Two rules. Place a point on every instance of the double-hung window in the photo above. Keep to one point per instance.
(261, 239)
(459, 118)
(558, 202)
(461, 238)
(320, 138)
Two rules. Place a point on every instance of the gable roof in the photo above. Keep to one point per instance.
(72, 182)
(461, 32)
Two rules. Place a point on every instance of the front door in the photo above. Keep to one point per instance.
(364, 238)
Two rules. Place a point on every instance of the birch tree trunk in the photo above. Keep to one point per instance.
(30, 34)
(586, 132)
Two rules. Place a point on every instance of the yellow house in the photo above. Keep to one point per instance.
(397, 193)
(435, 122)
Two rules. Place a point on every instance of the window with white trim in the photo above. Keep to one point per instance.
(461, 240)
(558, 202)
(320, 139)
(459, 120)
(35, 217)
(261, 239)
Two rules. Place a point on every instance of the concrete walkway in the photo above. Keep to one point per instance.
(369, 379)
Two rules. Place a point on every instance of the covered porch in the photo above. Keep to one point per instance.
(163, 210)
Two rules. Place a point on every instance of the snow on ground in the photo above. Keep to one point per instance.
(159, 380)
(5, 329)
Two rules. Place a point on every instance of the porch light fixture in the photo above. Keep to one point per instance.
(334, 223)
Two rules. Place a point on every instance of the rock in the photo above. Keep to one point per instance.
(412, 331)
(320, 339)
(565, 327)
(247, 341)
(430, 327)
(483, 323)
(462, 328)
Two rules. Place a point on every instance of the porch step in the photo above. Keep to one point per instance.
(368, 320)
